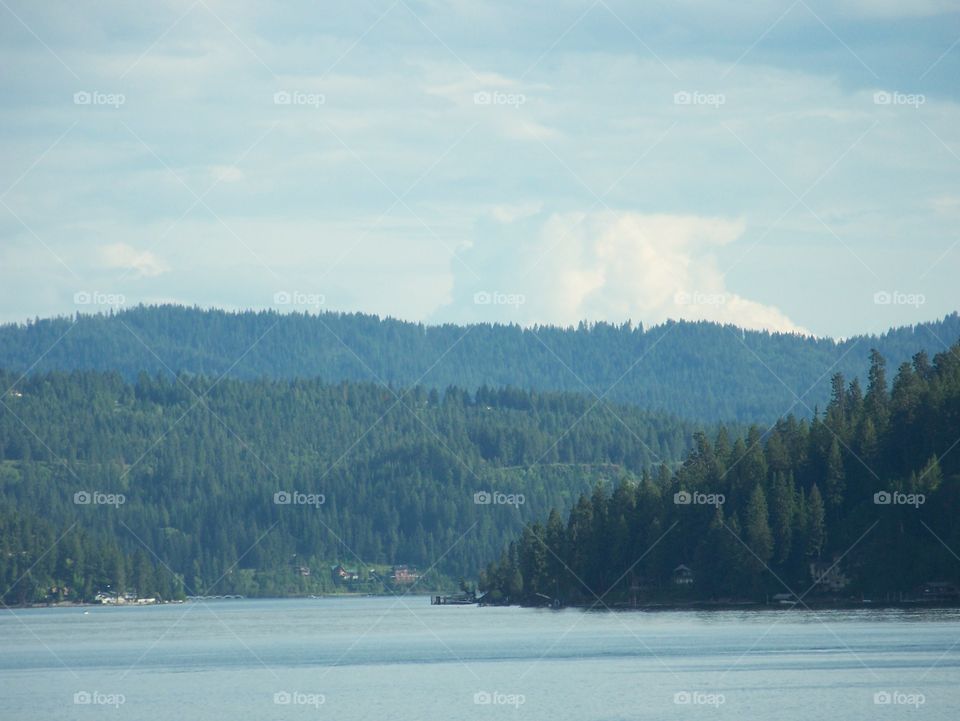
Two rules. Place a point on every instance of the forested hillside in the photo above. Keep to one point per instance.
(870, 491)
(700, 371)
(169, 484)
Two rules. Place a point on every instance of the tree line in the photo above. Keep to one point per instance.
(191, 484)
(866, 492)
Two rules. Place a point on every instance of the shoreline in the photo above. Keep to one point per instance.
(225, 597)
(834, 605)
(811, 606)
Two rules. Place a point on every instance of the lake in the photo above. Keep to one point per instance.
(400, 658)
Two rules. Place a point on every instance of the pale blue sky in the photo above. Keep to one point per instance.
(772, 164)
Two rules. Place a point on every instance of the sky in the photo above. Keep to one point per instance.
(784, 165)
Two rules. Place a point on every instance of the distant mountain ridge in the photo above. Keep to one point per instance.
(697, 370)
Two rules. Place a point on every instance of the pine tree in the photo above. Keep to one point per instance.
(875, 401)
(835, 481)
(759, 536)
(782, 511)
(816, 531)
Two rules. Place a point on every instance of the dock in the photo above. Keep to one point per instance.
(460, 599)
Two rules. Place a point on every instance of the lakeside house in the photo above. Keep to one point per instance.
(341, 573)
(107, 598)
(404, 575)
(682, 576)
(828, 576)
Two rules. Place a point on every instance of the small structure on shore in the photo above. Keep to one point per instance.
(786, 599)
(341, 573)
(939, 592)
(107, 598)
(682, 576)
(457, 599)
(404, 575)
(828, 576)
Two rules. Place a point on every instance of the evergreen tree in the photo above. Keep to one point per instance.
(757, 524)
(816, 533)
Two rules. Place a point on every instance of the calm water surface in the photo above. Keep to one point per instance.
(399, 659)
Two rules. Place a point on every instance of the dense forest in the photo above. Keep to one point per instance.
(862, 499)
(700, 371)
(169, 485)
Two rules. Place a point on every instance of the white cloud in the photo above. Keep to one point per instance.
(612, 266)
(515, 212)
(124, 257)
(227, 173)
(946, 204)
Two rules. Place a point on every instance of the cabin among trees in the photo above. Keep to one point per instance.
(404, 575)
(682, 576)
(828, 576)
(343, 574)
